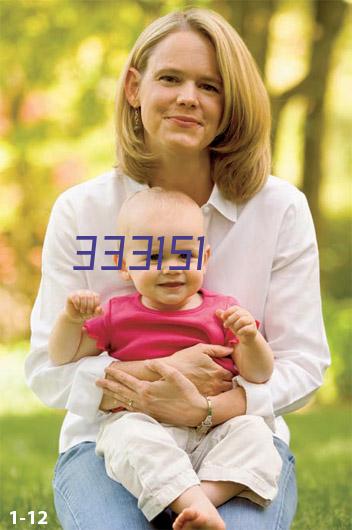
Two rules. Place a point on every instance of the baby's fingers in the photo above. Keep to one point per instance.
(246, 331)
(240, 322)
(75, 300)
(219, 313)
(84, 304)
(224, 314)
(234, 309)
(231, 320)
(88, 301)
(91, 302)
(95, 307)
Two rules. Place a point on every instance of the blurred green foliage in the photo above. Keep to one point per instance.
(338, 318)
(335, 255)
(60, 60)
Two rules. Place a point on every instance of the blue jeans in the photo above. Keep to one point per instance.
(87, 499)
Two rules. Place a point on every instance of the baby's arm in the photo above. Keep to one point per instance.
(68, 340)
(253, 356)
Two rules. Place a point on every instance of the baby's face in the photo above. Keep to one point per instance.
(167, 289)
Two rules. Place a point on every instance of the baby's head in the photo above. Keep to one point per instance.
(162, 215)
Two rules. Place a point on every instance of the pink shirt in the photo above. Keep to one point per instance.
(129, 331)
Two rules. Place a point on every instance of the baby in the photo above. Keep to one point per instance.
(191, 470)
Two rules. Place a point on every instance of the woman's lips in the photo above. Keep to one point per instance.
(183, 121)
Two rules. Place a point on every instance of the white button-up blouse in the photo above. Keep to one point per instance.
(263, 252)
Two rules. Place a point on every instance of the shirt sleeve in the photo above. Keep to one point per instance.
(61, 386)
(293, 323)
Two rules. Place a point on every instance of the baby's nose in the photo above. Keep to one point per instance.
(165, 268)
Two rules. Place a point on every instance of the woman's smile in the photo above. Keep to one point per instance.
(184, 121)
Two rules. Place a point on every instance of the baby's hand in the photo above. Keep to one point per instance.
(82, 305)
(239, 321)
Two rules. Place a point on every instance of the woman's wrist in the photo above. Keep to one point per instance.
(199, 412)
(207, 422)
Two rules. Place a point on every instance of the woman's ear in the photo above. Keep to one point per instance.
(132, 83)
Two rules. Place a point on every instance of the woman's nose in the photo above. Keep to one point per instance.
(187, 95)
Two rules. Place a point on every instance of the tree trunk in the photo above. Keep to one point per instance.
(329, 15)
(328, 20)
(251, 21)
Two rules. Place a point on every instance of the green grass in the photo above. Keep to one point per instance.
(320, 441)
(28, 456)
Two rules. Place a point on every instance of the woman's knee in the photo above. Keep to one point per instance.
(87, 499)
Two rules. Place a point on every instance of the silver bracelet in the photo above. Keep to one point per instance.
(207, 423)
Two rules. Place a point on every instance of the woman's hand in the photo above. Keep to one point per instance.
(196, 363)
(171, 399)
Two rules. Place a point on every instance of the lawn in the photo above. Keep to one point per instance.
(320, 440)
(28, 455)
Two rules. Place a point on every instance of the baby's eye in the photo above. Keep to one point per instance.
(184, 256)
(154, 257)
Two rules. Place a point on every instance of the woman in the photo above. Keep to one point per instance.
(192, 115)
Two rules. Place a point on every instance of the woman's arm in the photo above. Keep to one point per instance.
(196, 363)
(293, 322)
(70, 386)
(172, 398)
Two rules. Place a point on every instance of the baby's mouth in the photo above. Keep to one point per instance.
(172, 285)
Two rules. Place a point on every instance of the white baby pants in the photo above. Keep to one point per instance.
(157, 462)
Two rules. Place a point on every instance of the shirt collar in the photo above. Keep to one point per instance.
(132, 186)
(227, 208)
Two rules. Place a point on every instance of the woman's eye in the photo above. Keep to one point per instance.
(168, 78)
(210, 88)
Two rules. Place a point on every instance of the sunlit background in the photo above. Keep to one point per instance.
(60, 60)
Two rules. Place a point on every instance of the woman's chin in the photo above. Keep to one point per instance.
(182, 145)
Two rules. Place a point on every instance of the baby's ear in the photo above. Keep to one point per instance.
(124, 270)
(206, 256)
(125, 275)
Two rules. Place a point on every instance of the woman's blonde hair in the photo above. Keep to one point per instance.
(240, 153)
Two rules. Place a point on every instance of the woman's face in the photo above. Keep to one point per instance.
(180, 94)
